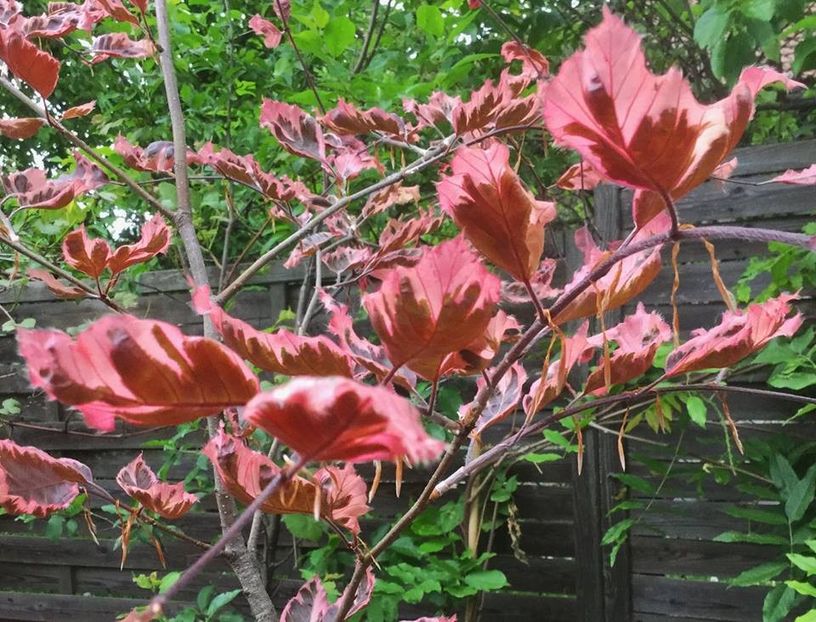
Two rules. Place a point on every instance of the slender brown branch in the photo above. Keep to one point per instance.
(372, 24)
(87, 149)
(306, 71)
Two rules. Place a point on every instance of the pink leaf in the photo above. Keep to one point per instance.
(28, 62)
(534, 64)
(345, 118)
(33, 189)
(738, 335)
(805, 177)
(119, 45)
(438, 110)
(155, 240)
(20, 128)
(143, 371)
(439, 306)
(495, 211)
(336, 418)
(281, 352)
(266, 29)
(504, 400)
(84, 254)
(157, 157)
(638, 338)
(667, 142)
(579, 176)
(32, 482)
(55, 286)
(139, 481)
(296, 131)
(82, 110)
(117, 10)
(311, 603)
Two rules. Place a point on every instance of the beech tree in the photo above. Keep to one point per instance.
(434, 308)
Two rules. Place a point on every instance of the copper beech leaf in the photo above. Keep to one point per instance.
(94, 256)
(54, 285)
(637, 337)
(805, 177)
(641, 130)
(495, 211)
(428, 311)
(738, 335)
(579, 176)
(624, 281)
(145, 372)
(245, 473)
(157, 157)
(345, 118)
(20, 128)
(33, 189)
(281, 352)
(32, 482)
(28, 62)
(262, 27)
(553, 379)
(82, 110)
(311, 603)
(139, 481)
(119, 45)
(298, 132)
(503, 401)
(334, 418)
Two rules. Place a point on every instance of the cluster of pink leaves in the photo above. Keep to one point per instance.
(434, 309)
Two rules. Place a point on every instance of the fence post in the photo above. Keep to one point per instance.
(603, 591)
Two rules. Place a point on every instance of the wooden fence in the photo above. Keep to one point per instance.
(562, 516)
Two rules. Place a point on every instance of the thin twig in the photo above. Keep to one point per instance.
(372, 23)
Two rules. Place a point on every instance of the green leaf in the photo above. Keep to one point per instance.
(339, 35)
(759, 9)
(303, 527)
(168, 580)
(618, 531)
(805, 55)
(805, 589)
(486, 580)
(711, 26)
(803, 562)
(222, 600)
(545, 457)
(800, 495)
(782, 474)
(320, 16)
(767, 517)
(758, 575)
(204, 596)
(810, 616)
(778, 604)
(430, 20)
(634, 482)
(752, 538)
(697, 410)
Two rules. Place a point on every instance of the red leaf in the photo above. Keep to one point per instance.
(553, 379)
(117, 10)
(439, 306)
(283, 9)
(368, 356)
(20, 128)
(666, 142)
(349, 157)
(805, 177)
(495, 211)
(82, 110)
(497, 106)
(157, 157)
(626, 280)
(579, 176)
(477, 356)
(638, 338)
(738, 335)
(55, 286)
(246, 170)
(119, 45)
(246, 473)
(86, 255)
(33, 189)
(266, 29)
(516, 293)
(139, 481)
(143, 371)
(296, 131)
(311, 603)
(155, 240)
(281, 352)
(534, 64)
(346, 118)
(474, 4)
(32, 482)
(394, 240)
(28, 62)
(340, 419)
(503, 401)
(438, 110)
